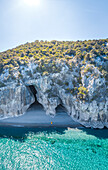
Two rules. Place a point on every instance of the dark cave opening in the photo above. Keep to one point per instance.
(60, 108)
(35, 105)
(32, 90)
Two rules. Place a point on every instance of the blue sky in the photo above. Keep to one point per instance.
(22, 22)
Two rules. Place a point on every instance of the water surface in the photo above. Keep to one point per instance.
(53, 149)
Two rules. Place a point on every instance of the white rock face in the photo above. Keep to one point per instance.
(14, 100)
(60, 88)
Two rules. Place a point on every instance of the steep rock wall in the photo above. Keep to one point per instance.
(14, 100)
(82, 91)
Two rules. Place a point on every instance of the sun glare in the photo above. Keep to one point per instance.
(32, 2)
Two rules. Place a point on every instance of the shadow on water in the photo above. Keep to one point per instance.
(99, 133)
(19, 133)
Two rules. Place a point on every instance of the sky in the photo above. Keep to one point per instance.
(24, 21)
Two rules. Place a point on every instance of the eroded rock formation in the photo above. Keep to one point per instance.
(69, 73)
(87, 104)
(14, 100)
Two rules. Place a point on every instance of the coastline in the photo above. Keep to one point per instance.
(39, 125)
(36, 117)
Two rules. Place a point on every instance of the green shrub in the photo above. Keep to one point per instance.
(45, 73)
(82, 92)
(47, 54)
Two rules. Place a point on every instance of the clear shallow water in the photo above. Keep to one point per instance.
(62, 149)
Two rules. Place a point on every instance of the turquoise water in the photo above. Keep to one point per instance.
(63, 149)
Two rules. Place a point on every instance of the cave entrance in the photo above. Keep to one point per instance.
(32, 90)
(60, 109)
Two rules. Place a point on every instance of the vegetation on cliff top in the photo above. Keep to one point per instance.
(45, 52)
(50, 57)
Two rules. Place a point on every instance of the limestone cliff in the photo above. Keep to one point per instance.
(79, 86)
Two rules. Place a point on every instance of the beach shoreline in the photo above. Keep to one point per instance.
(36, 117)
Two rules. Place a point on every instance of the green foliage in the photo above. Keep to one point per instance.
(45, 73)
(82, 92)
(88, 68)
(47, 53)
(20, 76)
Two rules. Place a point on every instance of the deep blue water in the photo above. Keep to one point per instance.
(53, 149)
